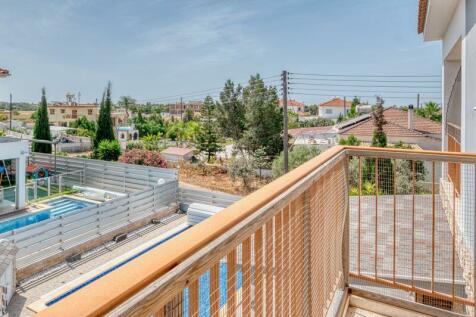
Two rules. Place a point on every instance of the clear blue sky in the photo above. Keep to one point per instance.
(157, 48)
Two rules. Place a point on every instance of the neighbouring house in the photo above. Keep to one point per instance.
(179, 108)
(63, 113)
(294, 106)
(453, 23)
(125, 134)
(401, 125)
(334, 108)
(177, 154)
(4, 72)
(321, 137)
(119, 117)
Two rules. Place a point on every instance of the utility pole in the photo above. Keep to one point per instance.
(181, 108)
(284, 78)
(11, 111)
(345, 106)
(418, 101)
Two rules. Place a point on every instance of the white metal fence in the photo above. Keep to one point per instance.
(187, 195)
(112, 176)
(49, 237)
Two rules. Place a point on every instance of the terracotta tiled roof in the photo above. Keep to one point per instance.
(4, 72)
(336, 102)
(292, 103)
(397, 125)
(314, 130)
(422, 10)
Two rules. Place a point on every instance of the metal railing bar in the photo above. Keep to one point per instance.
(423, 155)
(194, 266)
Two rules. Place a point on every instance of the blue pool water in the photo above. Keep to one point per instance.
(57, 206)
(204, 282)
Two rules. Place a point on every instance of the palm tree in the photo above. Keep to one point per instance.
(431, 110)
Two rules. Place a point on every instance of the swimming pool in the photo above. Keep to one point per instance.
(204, 280)
(56, 207)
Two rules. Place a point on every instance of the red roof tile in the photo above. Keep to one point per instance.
(422, 10)
(397, 125)
(336, 102)
(292, 103)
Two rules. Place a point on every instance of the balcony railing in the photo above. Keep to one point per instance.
(367, 220)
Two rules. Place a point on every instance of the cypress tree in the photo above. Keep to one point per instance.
(207, 138)
(104, 130)
(41, 130)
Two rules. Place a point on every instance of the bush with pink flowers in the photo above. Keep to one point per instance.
(143, 157)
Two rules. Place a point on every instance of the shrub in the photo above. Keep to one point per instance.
(351, 140)
(135, 145)
(296, 157)
(242, 168)
(108, 150)
(143, 157)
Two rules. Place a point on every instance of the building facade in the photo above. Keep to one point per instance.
(180, 108)
(62, 114)
(334, 108)
(453, 23)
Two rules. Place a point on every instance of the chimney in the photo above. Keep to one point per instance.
(410, 117)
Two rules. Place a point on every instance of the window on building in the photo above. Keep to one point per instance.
(90, 112)
(63, 110)
(328, 111)
(52, 111)
(74, 114)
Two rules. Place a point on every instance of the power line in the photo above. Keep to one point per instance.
(371, 91)
(364, 86)
(385, 97)
(205, 91)
(376, 76)
(366, 80)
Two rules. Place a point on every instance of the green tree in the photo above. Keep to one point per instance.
(104, 129)
(207, 138)
(84, 127)
(108, 150)
(340, 118)
(297, 156)
(231, 111)
(351, 140)
(264, 118)
(313, 110)
(41, 131)
(188, 115)
(242, 168)
(261, 160)
(128, 103)
(379, 138)
(430, 110)
(352, 113)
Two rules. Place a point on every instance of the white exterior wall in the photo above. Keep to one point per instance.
(336, 111)
(459, 51)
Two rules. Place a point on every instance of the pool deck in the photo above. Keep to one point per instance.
(34, 288)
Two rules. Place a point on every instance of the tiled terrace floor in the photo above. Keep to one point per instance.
(423, 241)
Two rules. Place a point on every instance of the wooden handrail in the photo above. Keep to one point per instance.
(103, 295)
(106, 293)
